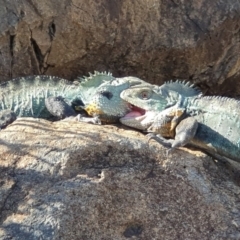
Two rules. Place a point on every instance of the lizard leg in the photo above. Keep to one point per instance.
(185, 131)
(163, 141)
(93, 120)
(6, 117)
(58, 107)
(157, 137)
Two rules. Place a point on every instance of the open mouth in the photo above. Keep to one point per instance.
(135, 112)
(138, 118)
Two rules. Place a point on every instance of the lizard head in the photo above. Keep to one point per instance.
(106, 103)
(144, 102)
(147, 101)
(145, 97)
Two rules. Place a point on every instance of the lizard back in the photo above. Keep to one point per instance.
(26, 95)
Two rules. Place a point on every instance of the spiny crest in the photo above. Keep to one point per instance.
(95, 79)
(88, 86)
(221, 98)
(32, 81)
(182, 87)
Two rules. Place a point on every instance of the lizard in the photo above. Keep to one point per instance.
(108, 105)
(43, 96)
(47, 96)
(209, 123)
(143, 118)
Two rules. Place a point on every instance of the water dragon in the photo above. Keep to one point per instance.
(175, 109)
(50, 96)
(210, 123)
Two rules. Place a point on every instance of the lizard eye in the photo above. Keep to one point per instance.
(107, 94)
(144, 95)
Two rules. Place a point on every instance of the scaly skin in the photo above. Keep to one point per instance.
(106, 103)
(208, 123)
(154, 101)
(26, 96)
(47, 96)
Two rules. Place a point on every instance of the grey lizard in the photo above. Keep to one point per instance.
(46, 96)
(210, 123)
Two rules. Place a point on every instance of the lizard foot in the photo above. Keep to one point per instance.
(93, 120)
(165, 142)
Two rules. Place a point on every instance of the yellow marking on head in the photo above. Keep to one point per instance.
(92, 110)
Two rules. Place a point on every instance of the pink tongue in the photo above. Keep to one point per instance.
(133, 114)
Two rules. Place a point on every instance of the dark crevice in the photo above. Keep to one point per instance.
(22, 14)
(38, 54)
(12, 40)
(40, 57)
(51, 30)
(11, 46)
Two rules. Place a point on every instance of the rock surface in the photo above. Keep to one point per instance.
(70, 180)
(154, 40)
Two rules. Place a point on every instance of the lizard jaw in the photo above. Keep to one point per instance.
(138, 118)
(135, 112)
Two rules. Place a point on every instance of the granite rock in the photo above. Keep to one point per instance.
(154, 40)
(70, 180)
